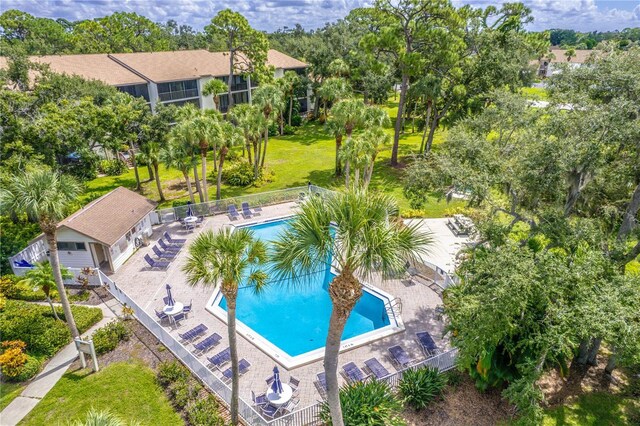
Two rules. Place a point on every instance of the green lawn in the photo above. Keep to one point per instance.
(308, 155)
(127, 389)
(597, 409)
(9, 392)
(535, 93)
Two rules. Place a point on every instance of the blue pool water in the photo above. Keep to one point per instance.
(295, 318)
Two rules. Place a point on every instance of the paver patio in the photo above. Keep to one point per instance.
(147, 288)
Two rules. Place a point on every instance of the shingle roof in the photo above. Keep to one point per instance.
(93, 66)
(111, 216)
(580, 56)
(280, 60)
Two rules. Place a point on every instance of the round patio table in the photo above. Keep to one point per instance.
(190, 219)
(173, 310)
(282, 398)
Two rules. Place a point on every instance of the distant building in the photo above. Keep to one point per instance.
(548, 66)
(175, 77)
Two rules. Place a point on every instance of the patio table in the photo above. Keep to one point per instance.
(282, 398)
(173, 310)
(190, 222)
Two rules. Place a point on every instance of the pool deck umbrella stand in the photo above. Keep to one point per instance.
(276, 386)
(170, 301)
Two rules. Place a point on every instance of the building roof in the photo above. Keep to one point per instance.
(111, 216)
(280, 60)
(580, 56)
(92, 67)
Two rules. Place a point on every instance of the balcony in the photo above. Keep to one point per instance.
(179, 94)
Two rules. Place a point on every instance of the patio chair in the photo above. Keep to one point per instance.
(167, 247)
(233, 212)
(163, 255)
(269, 380)
(246, 213)
(256, 210)
(427, 344)
(194, 333)
(177, 318)
(221, 358)
(165, 300)
(243, 367)
(260, 400)
(294, 383)
(399, 356)
(161, 315)
(200, 220)
(353, 373)
(321, 384)
(159, 264)
(271, 411)
(291, 405)
(188, 307)
(207, 343)
(376, 368)
(173, 241)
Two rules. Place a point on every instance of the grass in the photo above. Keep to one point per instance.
(126, 389)
(308, 155)
(537, 93)
(9, 392)
(598, 408)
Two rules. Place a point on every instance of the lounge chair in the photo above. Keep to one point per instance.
(161, 315)
(243, 367)
(160, 264)
(259, 400)
(167, 247)
(376, 368)
(256, 210)
(173, 241)
(426, 342)
(233, 212)
(353, 373)
(194, 333)
(271, 411)
(164, 255)
(221, 358)
(246, 213)
(321, 384)
(399, 356)
(207, 343)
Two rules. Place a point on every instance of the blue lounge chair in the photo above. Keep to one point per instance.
(233, 212)
(256, 210)
(426, 342)
(353, 372)
(221, 358)
(163, 255)
(167, 247)
(260, 400)
(160, 264)
(173, 241)
(246, 213)
(243, 367)
(207, 343)
(399, 356)
(376, 368)
(194, 333)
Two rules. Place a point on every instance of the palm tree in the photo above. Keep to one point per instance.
(185, 131)
(230, 136)
(44, 195)
(228, 257)
(374, 138)
(270, 99)
(41, 277)
(178, 155)
(570, 53)
(252, 122)
(333, 90)
(205, 127)
(362, 235)
(289, 83)
(215, 87)
(151, 153)
(354, 153)
(336, 129)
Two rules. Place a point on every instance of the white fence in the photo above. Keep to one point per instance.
(261, 199)
(443, 362)
(436, 274)
(304, 417)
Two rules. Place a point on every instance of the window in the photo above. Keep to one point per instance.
(69, 246)
(178, 90)
(136, 90)
(238, 98)
(196, 102)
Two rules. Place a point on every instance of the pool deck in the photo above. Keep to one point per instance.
(147, 288)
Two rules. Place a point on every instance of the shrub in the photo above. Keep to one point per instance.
(288, 130)
(105, 339)
(36, 326)
(421, 386)
(170, 372)
(13, 358)
(273, 130)
(413, 213)
(112, 167)
(29, 369)
(239, 173)
(296, 120)
(205, 412)
(15, 235)
(179, 203)
(370, 403)
(183, 392)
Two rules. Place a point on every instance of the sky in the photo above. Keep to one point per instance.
(270, 15)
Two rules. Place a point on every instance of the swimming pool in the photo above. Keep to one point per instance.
(290, 322)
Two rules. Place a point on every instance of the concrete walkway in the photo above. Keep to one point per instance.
(52, 372)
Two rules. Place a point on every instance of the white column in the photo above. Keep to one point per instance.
(249, 87)
(153, 95)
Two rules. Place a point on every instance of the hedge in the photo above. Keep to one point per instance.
(105, 339)
(38, 328)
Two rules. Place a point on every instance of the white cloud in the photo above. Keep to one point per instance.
(270, 15)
